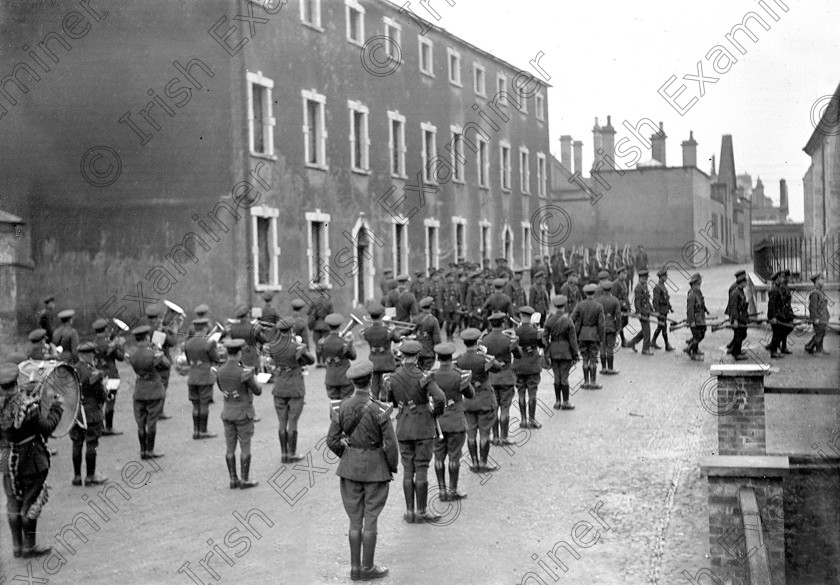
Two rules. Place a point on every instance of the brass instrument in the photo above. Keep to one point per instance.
(515, 321)
(174, 316)
(346, 332)
(401, 324)
(215, 334)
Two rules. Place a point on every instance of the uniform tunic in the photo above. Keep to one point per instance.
(93, 397)
(202, 356)
(337, 354)
(238, 387)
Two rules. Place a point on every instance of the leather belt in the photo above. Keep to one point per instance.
(377, 350)
(366, 447)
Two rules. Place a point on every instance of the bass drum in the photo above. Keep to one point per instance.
(50, 381)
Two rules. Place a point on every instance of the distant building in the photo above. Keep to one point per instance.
(822, 180)
(763, 209)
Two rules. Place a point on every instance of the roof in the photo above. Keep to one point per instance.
(826, 126)
(9, 218)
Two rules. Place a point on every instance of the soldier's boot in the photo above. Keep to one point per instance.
(603, 362)
(355, 537)
(150, 447)
(423, 513)
(230, 460)
(505, 427)
(141, 436)
(668, 346)
(196, 426)
(17, 534)
(284, 439)
(30, 549)
(496, 436)
(454, 471)
(93, 478)
(77, 463)
(440, 472)
(473, 449)
(653, 341)
(292, 448)
(523, 412)
(566, 404)
(593, 370)
(203, 430)
(245, 467)
(485, 454)
(532, 411)
(611, 364)
(585, 384)
(408, 492)
(369, 570)
(558, 398)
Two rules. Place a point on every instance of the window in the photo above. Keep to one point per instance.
(393, 32)
(544, 239)
(400, 246)
(264, 247)
(432, 243)
(396, 143)
(459, 228)
(507, 244)
(456, 148)
(540, 106)
(426, 56)
(501, 89)
(314, 129)
(504, 165)
(310, 13)
(523, 99)
(483, 161)
(484, 243)
(355, 22)
(260, 114)
(429, 150)
(526, 244)
(318, 248)
(715, 225)
(524, 170)
(359, 138)
(454, 66)
(479, 80)
(541, 176)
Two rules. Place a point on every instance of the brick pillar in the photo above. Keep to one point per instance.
(740, 402)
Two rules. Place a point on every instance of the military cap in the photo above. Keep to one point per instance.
(153, 310)
(37, 334)
(499, 283)
(376, 310)
(519, 271)
(776, 275)
(201, 321)
(298, 304)
(569, 272)
(500, 260)
(498, 316)
(470, 334)
(359, 370)
(268, 296)
(402, 278)
(662, 272)
(66, 314)
(334, 320)
(643, 272)
(426, 302)
(202, 309)
(816, 276)
(607, 285)
(240, 311)
(412, 347)
(8, 373)
(526, 310)
(603, 274)
(87, 347)
(741, 272)
(142, 330)
(282, 324)
(539, 273)
(235, 344)
(694, 278)
(388, 271)
(559, 300)
(445, 349)
(741, 277)
(419, 273)
(100, 324)
(590, 288)
(49, 299)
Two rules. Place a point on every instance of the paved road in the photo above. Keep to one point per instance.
(625, 461)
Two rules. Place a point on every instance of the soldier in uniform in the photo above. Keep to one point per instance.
(818, 313)
(406, 301)
(93, 396)
(571, 291)
(109, 350)
(289, 388)
(419, 288)
(603, 276)
(412, 390)
(67, 338)
(202, 311)
(780, 314)
(662, 306)
(619, 291)
(451, 305)
(560, 340)
(238, 386)
(269, 313)
(437, 290)
(427, 333)
(455, 384)
(299, 322)
(253, 334)
(480, 410)
(513, 289)
(527, 367)
(24, 459)
(476, 295)
(538, 297)
(202, 355)
(588, 318)
(738, 310)
(641, 302)
(379, 339)
(387, 275)
(45, 316)
(155, 314)
(337, 352)
(696, 312)
(362, 436)
(392, 297)
(498, 301)
(612, 321)
(503, 348)
(148, 363)
(318, 312)
(641, 260)
(503, 271)
(40, 350)
(732, 288)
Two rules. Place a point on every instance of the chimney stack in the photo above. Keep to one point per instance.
(566, 151)
(597, 140)
(689, 151)
(658, 145)
(578, 145)
(607, 141)
(783, 199)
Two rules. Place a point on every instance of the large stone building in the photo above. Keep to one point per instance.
(209, 152)
(822, 181)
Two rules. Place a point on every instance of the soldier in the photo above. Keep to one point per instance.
(269, 313)
(387, 275)
(392, 297)
(412, 390)
(202, 355)
(289, 388)
(662, 306)
(641, 302)
(588, 318)
(527, 367)
(40, 350)
(619, 291)
(503, 271)
(148, 363)
(612, 322)
(561, 345)
(498, 301)
(818, 313)
(455, 384)
(318, 312)
(24, 459)
(503, 348)
(337, 352)
(406, 301)
(67, 338)
(538, 297)
(603, 276)
(93, 396)
(362, 436)
(476, 295)
(641, 259)
(738, 311)
(513, 289)
(109, 350)
(45, 316)
(558, 271)
(155, 314)
(299, 322)
(419, 288)
(451, 305)
(696, 312)
(379, 339)
(238, 386)
(427, 333)
(779, 313)
(732, 288)
(253, 334)
(787, 316)
(202, 311)
(571, 290)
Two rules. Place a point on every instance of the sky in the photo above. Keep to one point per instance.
(611, 58)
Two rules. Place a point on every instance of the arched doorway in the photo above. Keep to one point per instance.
(363, 263)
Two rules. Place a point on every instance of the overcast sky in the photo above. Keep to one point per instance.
(612, 57)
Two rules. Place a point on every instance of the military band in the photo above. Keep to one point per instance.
(110, 349)
(380, 340)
